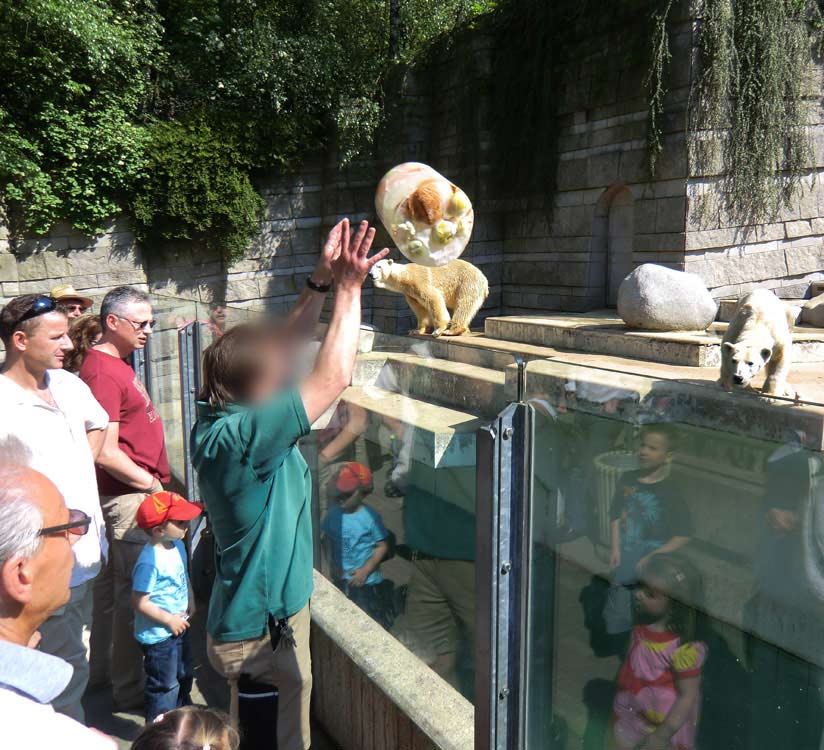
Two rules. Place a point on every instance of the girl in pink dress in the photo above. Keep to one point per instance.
(659, 686)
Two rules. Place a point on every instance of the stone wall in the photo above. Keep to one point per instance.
(370, 692)
(607, 214)
(566, 249)
(785, 255)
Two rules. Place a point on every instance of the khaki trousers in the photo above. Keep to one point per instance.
(115, 654)
(439, 621)
(63, 637)
(288, 669)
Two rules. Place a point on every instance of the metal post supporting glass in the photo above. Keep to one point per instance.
(189, 347)
(502, 579)
(141, 364)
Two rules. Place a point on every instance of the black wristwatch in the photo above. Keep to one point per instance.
(322, 288)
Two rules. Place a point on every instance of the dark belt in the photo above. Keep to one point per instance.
(413, 555)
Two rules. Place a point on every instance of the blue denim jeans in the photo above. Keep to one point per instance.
(169, 673)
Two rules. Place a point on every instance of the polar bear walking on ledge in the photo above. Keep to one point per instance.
(432, 293)
(759, 335)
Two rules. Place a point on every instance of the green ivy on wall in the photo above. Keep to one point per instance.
(74, 80)
(168, 108)
(195, 186)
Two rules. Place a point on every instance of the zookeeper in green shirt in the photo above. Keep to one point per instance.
(256, 488)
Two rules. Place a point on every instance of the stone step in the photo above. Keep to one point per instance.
(604, 333)
(700, 404)
(726, 307)
(454, 384)
(433, 446)
(478, 349)
(441, 437)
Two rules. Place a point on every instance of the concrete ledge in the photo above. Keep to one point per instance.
(370, 692)
(726, 308)
(432, 378)
(601, 332)
(699, 404)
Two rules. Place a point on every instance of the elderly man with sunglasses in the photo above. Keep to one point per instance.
(54, 415)
(132, 463)
(37, 535)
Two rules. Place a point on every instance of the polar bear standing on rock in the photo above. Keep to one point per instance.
(432, 293)
(759, 335)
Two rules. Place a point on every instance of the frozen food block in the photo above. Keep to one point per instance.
(429, 218)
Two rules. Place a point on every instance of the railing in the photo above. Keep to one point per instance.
(498, 481)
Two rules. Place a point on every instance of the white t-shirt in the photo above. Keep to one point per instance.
(56, 439)
(28, 724)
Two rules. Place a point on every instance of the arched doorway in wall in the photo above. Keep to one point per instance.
(612, 241)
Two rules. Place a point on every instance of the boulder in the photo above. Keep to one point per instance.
(658, 298)
(812, 314)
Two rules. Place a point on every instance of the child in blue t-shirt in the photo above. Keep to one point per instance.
(356, 538)
(162, 599)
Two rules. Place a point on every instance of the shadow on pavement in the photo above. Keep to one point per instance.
(210, 689)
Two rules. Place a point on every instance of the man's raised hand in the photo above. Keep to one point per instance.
(353, 262)
(331, 249)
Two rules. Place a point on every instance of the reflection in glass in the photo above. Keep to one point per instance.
(416, 518)
(677, 587)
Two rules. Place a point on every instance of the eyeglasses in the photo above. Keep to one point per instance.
(140, 325)
(40, 306)
(77, 526)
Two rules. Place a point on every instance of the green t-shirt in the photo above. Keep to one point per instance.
(257, 491)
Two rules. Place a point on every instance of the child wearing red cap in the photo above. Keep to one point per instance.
(357, 538)
(161, 596)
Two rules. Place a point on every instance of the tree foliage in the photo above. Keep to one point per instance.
(166, 108)
(74, 81)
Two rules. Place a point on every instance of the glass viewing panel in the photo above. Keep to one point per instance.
(728, 628)
(171, 314)
(410, 417)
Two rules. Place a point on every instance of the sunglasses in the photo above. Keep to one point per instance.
(40, 306)
(77, 526)
(139, 325)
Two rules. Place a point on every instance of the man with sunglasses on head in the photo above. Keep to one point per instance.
(54, 415)
(37, 536)
(132, 464)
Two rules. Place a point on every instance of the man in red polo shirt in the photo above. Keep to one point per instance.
(132, 464)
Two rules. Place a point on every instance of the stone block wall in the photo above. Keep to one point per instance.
(608, 214)
(785, 255)
(566, 249)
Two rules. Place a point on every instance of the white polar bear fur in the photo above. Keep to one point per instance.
(758, 336)
(433, 293)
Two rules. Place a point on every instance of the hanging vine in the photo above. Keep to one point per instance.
(750, 105)
(749, 110)
(660, 58)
